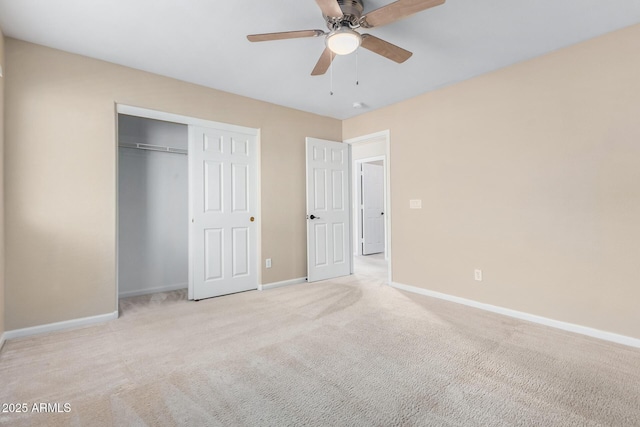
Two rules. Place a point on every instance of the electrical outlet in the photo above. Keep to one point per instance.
(268, 263)
(477, 274)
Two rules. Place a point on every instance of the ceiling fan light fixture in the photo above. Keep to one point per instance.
(343, 41)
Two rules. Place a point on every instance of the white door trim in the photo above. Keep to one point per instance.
(386, 137)
(177, 118)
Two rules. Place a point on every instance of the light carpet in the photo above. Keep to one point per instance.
(351, 351)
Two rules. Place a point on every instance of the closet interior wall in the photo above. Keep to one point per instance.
(152, 206)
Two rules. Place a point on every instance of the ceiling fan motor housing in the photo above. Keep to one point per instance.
(351, 7)
(352, 12)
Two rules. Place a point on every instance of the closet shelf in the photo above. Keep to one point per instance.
(152, 147)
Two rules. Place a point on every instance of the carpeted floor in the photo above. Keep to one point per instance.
(351, 351)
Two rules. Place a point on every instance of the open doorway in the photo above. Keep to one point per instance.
(153, 204)
(370, 202)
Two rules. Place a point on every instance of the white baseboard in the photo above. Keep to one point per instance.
(168, 288)
(571, 327)
(59, 326)
(2, 339)
(281, 284)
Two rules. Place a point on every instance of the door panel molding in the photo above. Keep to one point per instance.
(231, 189)
(328, 209)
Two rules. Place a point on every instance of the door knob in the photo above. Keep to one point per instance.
(252, 219)
(314, 217)
(381, 213)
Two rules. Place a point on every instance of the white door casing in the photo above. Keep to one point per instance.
(223, 198)
(372, 208)
(328, 209)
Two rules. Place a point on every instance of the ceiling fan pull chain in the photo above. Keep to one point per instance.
(357, 75)
(331, 75)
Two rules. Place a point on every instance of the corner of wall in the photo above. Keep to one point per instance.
(2, 310)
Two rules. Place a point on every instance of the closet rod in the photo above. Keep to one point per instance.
(152, 147)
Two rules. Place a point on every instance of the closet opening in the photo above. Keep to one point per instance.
(153, 206)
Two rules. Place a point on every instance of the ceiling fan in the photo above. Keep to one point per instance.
(343, 17)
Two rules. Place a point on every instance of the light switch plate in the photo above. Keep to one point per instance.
(415, 204)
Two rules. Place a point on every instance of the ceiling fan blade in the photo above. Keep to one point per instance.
(284, 35)
(395, 11)
(385, 49)
(330, 8)
(323, 63)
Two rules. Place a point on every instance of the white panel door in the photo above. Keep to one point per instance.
(328, 207)
(223, 197)
(372, 209)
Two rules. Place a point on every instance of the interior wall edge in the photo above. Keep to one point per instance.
(557, 324)
(60, 326)
(2, 185)
(282, 283)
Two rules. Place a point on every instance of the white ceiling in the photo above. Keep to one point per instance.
(203, 41)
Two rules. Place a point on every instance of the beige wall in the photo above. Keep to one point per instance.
(61, 176)
(530, 173)
(2, 79)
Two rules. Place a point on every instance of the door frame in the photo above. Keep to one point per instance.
(187, 120)
(386, 138)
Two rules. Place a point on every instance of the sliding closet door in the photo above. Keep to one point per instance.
(223, 198)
